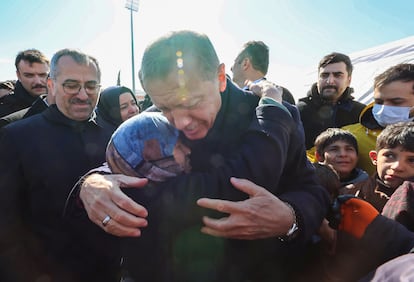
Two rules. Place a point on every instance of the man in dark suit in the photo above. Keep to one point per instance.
(41, 159)
(32, 69)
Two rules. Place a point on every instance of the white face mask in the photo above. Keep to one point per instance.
(386, 115)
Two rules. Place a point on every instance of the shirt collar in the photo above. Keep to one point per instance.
(256, 81)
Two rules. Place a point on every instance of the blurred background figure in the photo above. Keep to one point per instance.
(32, 69)
(252, 64)
(7, 87)
(329, 101)
(116, 104)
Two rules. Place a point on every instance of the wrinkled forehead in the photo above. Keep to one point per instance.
(396, 90)
(333, 68)
(178, 68)
(179, 86)
(27, 65)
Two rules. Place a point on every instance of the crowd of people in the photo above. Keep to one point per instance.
(212, 178)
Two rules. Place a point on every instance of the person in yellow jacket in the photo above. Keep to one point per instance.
(366, 132)
(393, 102)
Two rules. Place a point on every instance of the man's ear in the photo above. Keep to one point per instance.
(245, 63)
(318, 157)
(18, 75)
(222, 77)
(373, 157)
(349, 80)
(50, 87)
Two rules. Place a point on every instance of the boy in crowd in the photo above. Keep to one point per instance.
(394, 159)
(393, 102)
(339, 148)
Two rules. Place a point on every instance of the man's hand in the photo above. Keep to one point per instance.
(263, 215)
(102, 197)
(265, 88)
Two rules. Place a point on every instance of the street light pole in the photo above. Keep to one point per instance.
(132, 6)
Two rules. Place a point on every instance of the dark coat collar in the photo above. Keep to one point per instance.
(53, 114)
(22, 94)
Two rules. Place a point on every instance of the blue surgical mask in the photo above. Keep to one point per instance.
(386, 115)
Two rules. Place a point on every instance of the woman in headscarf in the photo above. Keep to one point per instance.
(116, 104)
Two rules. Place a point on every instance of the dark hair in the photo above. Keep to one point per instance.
(400, 72)
(331, 135)
(336, 58)
(258, 53)
(78, 56)
(181, 51)
(108, 104)
(328, 177)
(31, 56)
(397, 134)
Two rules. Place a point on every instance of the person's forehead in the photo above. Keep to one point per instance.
(69, 67)
(176, 88)
(125, 97)
(177, 97)
(334, 67)
(340, 143)
(395, 89)
(397, 149)
(28, 66)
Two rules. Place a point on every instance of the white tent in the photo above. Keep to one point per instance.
(371, 62)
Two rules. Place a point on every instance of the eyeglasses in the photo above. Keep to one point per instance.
(73, 88)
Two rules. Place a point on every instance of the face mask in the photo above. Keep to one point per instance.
(386, 115)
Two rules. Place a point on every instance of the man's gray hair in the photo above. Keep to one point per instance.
(78, 56)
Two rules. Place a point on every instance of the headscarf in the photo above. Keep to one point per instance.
(108, 106)
(143, 146)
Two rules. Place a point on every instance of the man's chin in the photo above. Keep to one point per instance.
(329, 94)
(39, 92)
(195, 135)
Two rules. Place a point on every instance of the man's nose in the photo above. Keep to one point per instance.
(180, 118)
(82, 94)
(342, 152)
(39, 80)
(330, 79)
(397, 165)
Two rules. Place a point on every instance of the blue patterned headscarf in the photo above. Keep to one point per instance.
(143, 146)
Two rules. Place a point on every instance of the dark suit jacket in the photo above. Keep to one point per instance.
(41, 159)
